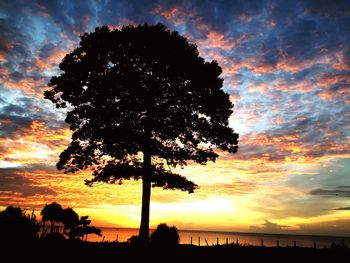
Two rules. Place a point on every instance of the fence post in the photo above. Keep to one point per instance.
(237, 241)
(191, 240)
(199, 241)
(226, 241)
(262, 242)
(217, 241)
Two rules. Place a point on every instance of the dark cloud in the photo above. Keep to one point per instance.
(327, 8)
(343, 187)
(14, 180)
(19, 115)
(269, 227)
(334, 193)
(342, 208)
(11, 125)
(71, 16)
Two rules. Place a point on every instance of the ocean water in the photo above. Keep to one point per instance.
(204, 238)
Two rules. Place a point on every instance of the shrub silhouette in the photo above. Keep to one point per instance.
(165, 236)
(16, 225)
(134, 240)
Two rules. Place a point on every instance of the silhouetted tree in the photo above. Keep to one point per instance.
(53, 213)
(16, 225)
(140, 101)
(70, 218)
(82, 230)
(165, 236)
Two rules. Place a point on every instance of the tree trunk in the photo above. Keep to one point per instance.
(146, 198)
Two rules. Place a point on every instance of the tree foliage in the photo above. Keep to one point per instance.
(141, 90)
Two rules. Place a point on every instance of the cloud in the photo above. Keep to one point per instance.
(177, 15)
(13, 180)
(342, 208)
(237, 187)
(269, 227)
(343, 187)
(326, 8)
(334, 193)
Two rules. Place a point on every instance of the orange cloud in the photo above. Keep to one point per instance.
(245, 18)
(326, 95)
(270, 23)
(29, 86)
(302, 86)
(258, 88)
(341, 64)
(203, 27)
(251, 64)
(173, 14)
(33, 144)
(51, 61)
(2, 56)
(234, 98)
(326, 80)
(278, 120)
(218, 40)
(293, 64)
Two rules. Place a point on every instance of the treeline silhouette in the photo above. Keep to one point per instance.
(22, 236)
(17, 224)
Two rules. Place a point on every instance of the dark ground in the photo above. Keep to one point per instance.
(67, 251)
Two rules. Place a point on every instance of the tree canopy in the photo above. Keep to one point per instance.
(135, 88)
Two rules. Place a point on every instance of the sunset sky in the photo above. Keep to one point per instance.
(286, 66)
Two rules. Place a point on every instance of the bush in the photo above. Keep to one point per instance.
(134, 240)
(16, 225)
(165, 236)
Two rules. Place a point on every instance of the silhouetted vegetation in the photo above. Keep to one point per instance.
(17, 225)
(73, 227)
(82, 229)
(134, 240)
(53, 213)
(141, 102)
(70, 218)
(165, 236)
(22, 232)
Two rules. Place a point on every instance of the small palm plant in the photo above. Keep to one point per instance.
(53, 213)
